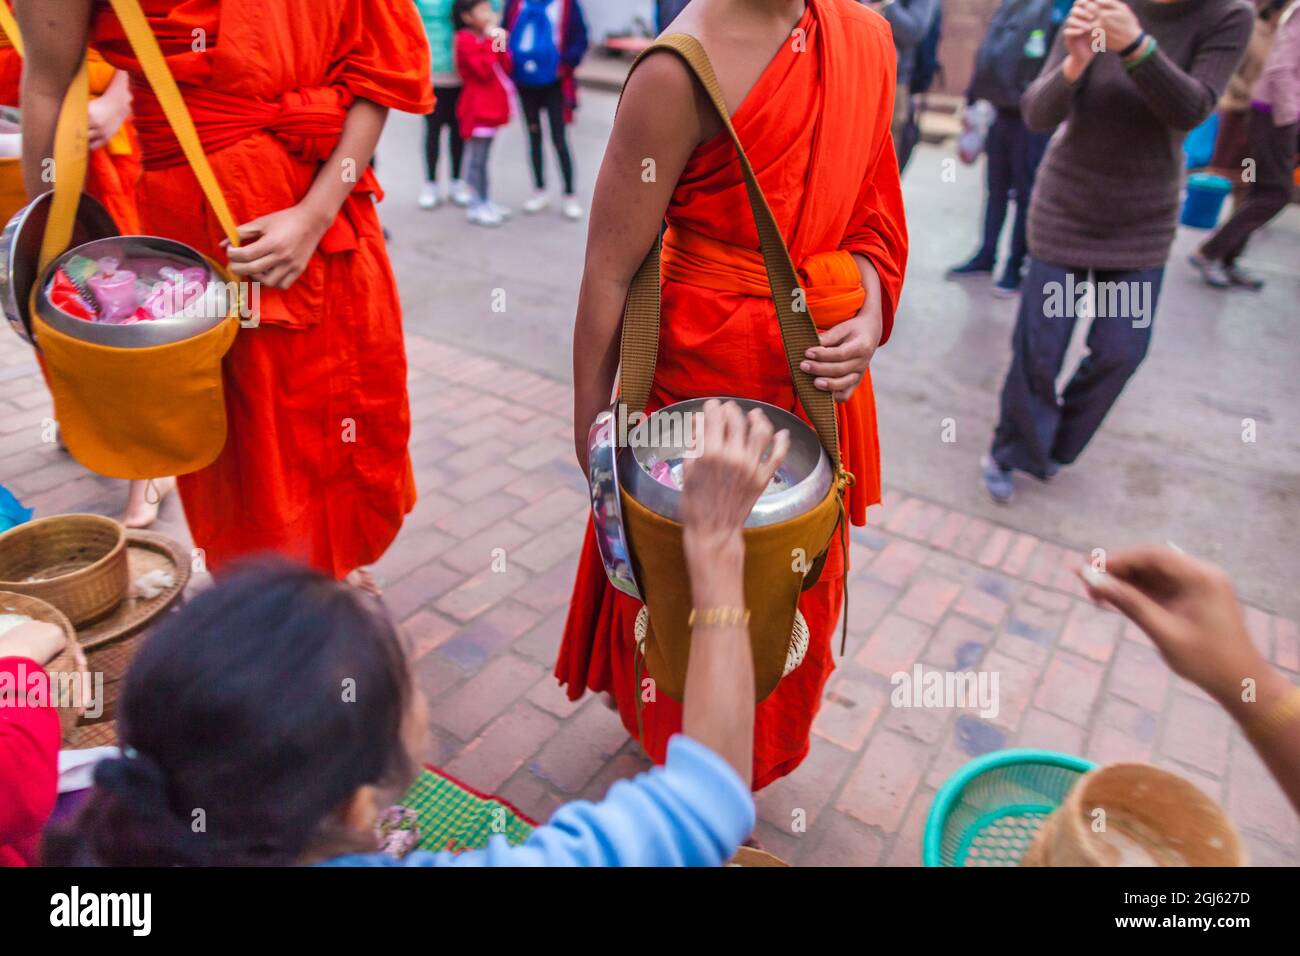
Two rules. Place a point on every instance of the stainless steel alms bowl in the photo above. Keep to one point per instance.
(212, 309)
(805, 476)
(607, 507)
(20, 252)
(802, 481)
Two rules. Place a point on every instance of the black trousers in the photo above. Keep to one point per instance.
(444, 114)
(1013, 154)
(1274, 151)
(548, 99)
(1035, 425)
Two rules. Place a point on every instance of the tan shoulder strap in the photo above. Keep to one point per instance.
(9, 24)
(639, 345)
(71, 135)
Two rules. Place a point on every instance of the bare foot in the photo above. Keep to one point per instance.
(145, 499)
(364, 581)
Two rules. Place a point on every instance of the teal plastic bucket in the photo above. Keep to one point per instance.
(988, 812)
(1204, 201)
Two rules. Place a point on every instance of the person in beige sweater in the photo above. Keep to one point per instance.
(1271, 140)
(1230, 146)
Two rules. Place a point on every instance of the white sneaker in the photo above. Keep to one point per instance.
(503, 211)
(461, 194)
(538, 202)
(484, 215)
(429, 197)
(571, 208)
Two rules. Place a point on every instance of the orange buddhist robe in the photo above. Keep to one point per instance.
(816, 129)
(114, 169)
(316, 465)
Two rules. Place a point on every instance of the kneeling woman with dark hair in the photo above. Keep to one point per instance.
(270, 720)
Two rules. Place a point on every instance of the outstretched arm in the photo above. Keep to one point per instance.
(1190, 612)
(696, 809)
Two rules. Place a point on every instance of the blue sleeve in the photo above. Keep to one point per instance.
(693, 811)
(576, 41)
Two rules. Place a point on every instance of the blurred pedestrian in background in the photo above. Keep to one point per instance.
(483, 62)
(1104, 211)
(912, 22)
(436, 15)
(548, 39)
(1010, 58)
(1230, 146)
(1271, 138)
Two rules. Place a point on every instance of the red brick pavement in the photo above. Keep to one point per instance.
(480, 579)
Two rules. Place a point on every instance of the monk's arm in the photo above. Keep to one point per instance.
(356, 148)
(656, 130)
(55, 33)
(872, 306)
(278, 247)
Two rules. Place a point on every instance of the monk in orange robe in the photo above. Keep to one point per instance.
(813, 112)
(289, 97)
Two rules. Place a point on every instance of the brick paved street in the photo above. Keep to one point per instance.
(491, 447)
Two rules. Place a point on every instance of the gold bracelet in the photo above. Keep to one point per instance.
(719, 617)
(1277, 717)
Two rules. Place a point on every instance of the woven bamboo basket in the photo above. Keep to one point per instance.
(110, 644)
(66, 663)
(75, 562)
(1132, 814)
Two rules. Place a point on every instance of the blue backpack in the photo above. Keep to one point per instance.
(532, 46)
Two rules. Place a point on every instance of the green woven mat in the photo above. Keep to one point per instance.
(453, 817)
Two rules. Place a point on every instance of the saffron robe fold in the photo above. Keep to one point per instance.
(816, 130)
(316, 464)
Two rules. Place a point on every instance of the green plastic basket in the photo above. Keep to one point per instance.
(987, 813)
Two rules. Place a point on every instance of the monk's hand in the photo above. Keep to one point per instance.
(839, 363)
(107, 114)
(276, 249)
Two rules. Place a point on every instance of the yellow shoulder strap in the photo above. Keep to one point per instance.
(9, 24)
(160, 78)
(71, 138)
(71, 149)
(639, 344)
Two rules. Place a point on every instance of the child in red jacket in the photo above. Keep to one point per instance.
(483, 62)
(29, 739)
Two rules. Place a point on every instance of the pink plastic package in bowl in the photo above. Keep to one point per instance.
(111, 291)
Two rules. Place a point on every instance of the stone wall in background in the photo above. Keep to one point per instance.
(964, 23)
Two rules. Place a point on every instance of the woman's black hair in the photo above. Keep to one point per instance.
(458, 11)
(248, 718)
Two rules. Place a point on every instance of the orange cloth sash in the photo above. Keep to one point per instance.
(307, 122)
(832, 283)
(830, 280)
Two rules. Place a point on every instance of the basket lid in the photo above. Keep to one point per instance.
(20, 252)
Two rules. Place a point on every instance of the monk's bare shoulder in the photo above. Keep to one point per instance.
(662, 98)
